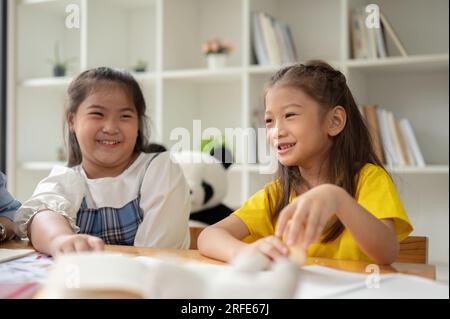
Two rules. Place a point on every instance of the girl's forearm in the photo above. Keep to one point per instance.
(46, 227)
(217, 243)
(376, 239)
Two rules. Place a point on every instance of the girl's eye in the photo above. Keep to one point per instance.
(96, 114)
(126, 116)
(290, 114)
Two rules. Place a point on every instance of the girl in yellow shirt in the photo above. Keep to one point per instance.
(332, 197)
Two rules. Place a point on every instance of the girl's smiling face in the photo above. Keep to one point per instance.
(296, 126)
(106, 127)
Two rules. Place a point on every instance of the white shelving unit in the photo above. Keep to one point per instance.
(179, 88)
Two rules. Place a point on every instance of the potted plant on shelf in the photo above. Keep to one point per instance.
(216, 51)
(59, 65)
(140, 66)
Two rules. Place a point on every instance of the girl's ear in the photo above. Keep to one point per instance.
(337, 117)
(71, 121)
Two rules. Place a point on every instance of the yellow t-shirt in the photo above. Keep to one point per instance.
(375, 192)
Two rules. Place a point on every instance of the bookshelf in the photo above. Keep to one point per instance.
(179, 88)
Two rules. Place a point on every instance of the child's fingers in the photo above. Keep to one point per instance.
(297, 254)
(278, 244)
(320, 228)
(81, 244)
(270, 250)
(297, 221)
(285, 215)
(311, 227)
(96, 243)
(67, 247)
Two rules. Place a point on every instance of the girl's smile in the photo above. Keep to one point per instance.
(283, 148)
(109, 143)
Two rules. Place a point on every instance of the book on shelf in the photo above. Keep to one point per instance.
(359, 48)
(403, 146)
(386, 139)
(371, 43)
(259, 48)
(381, 41)
(393, 140)
(272, 40)
(411, 141)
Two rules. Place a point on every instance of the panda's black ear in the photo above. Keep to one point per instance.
(155, 148)
(223, 155)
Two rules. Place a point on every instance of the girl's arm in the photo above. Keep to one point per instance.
(223, 239)
(376, 237)
(51, 233)
(314, 209)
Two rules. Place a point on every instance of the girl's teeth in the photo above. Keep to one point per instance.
(108, 142)
(283, 147)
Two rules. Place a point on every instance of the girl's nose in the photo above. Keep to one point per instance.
(275, 133)
(279, 130)
(110, 127)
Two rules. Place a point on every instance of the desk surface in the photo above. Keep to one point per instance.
(423, 270)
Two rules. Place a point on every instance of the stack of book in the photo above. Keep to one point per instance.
(371, 42)
(272, 40)
(394, 140)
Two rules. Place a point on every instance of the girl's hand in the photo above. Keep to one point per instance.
(308, 214)
(75, 243)
(271, 246)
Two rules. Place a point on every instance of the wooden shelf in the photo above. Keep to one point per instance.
(271, 69)
(429, 169)
(430, 62)
(204, 75)
(54, 82)
(31, 2)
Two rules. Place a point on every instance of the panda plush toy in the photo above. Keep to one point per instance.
(206, 175)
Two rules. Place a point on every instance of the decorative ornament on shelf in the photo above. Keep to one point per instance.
(140, 66)
(216, 51)
(59, 65)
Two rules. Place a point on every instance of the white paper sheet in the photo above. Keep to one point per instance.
(323, 282)
(10, 254)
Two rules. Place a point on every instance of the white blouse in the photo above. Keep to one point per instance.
(164, 198)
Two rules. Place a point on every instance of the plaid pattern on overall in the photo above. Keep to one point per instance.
(116, 226)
